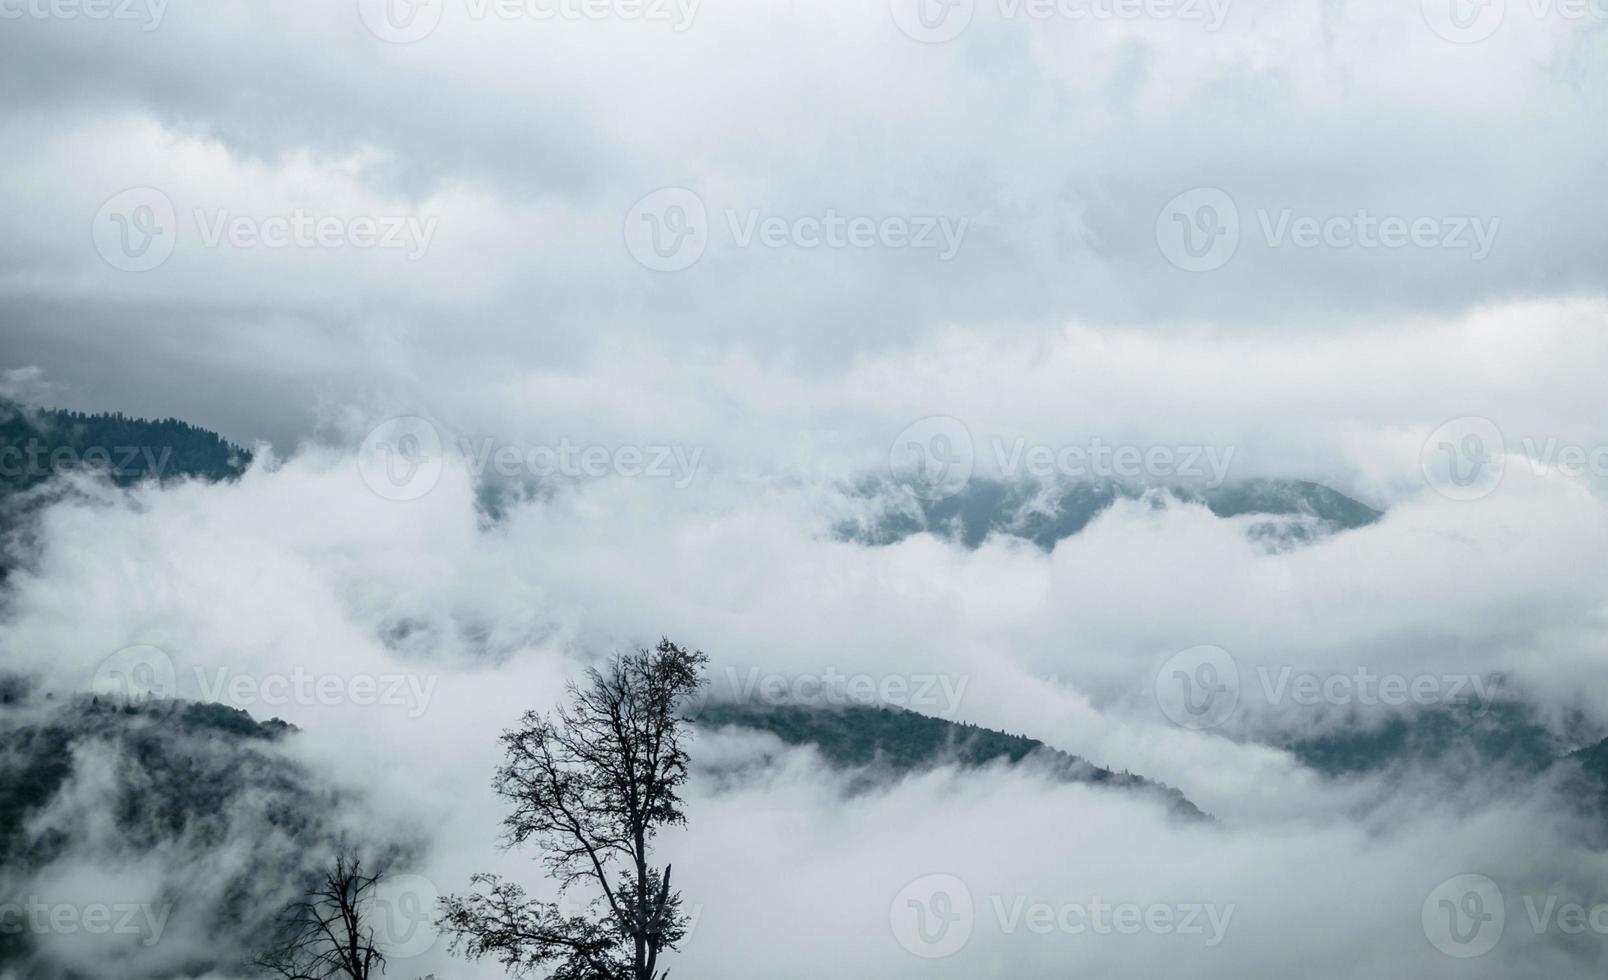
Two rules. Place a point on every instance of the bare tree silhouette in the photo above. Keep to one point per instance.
(591, 785)
(326, 936)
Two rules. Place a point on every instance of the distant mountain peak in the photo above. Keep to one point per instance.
(884, 743)
(38, 444)
(1297, 511)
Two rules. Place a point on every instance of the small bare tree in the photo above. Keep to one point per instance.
(325, 935)
(591, 785)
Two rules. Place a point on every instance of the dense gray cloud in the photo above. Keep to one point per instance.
(517, 313)
(1057, 141)
(301, 569)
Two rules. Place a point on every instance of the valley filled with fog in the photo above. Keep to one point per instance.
(1138, 478)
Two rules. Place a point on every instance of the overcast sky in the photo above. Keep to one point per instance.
(1052, 149)
(771, 244)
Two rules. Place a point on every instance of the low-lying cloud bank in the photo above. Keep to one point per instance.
(403, 635)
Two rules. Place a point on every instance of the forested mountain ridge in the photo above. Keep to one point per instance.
(1291, 511)
(1504, 733)
(888, 742)
(201, 795)
(37, 444)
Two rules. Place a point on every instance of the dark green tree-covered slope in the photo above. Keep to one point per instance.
(1295, 510)
(1501, 735)
(888, 743)
(37, 444)
(199, 795)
